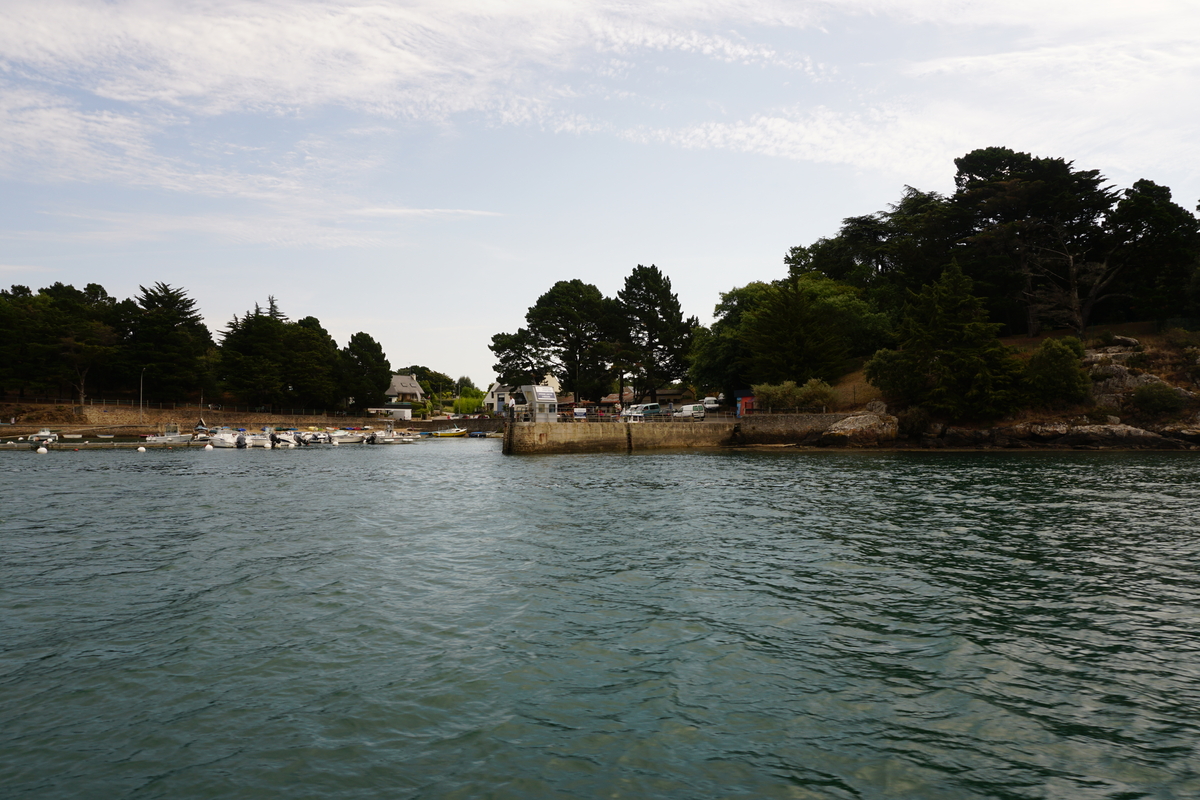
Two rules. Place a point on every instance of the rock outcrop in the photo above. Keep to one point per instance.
(1062, 435)
(861, 430)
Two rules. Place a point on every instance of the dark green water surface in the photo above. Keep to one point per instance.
(439, 621)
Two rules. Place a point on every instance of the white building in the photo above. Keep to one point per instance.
(498, 394)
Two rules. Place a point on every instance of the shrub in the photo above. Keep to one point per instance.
(775, 396)
(1179, 339)
(1157, 399)
(1054, 375)
(1075, 344)
(1105, 338)
(816, 393)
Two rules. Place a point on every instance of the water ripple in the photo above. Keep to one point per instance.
(439, 621)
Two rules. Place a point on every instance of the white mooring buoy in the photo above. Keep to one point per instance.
(141, 449)
(208, 447)
(42, 451)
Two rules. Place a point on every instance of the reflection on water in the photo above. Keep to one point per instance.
(440, 621)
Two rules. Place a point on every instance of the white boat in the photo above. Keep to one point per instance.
(388, 436)
(170, 435)
(347, 437)
(228, 439)
(44, 436)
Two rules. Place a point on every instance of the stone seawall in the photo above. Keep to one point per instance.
(611, 437)
(783, 428)
(625, 437)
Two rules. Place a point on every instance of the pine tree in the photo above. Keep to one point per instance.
(950, 361)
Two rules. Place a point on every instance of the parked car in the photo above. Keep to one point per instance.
(711, 404)
(653, 410)
(642, 411)
(693, 410)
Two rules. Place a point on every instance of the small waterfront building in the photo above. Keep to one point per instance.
(405, 389)
(499, 396)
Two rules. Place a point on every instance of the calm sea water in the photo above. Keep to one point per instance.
(440, 621)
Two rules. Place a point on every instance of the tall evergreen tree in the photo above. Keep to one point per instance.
(366, 371)
(659, 336)
(168, 338)
(950, 360)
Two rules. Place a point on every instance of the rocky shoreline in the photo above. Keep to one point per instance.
(872, 429)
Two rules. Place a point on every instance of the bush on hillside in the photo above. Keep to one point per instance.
(1074, 343)
(776, 396)
(816, 393)
(1054, 375)
(1157, 399)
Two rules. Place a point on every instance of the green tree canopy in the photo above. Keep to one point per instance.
(950, 360)
(366, 372)
(659, 336)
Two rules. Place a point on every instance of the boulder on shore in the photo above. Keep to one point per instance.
(1122, 436)
(861, 430)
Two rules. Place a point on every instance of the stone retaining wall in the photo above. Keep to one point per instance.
(626, 437)
(783, 428)
(612, 437)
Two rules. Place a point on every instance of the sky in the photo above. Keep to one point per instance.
(423, 171)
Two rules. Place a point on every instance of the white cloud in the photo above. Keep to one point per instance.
(125, 92)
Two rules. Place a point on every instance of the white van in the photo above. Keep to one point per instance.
(693, 410)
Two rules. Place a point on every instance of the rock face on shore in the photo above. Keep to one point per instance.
(1063, 435)
(1113, 379)
(861, 430)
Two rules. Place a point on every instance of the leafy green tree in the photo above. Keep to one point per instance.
(433, 383)
(659, 336)
(950, 360)
(791, 337)
(720, 357)
(886, 253)
(567, 325)
(1158, 252)
(366, 372)
(519, 362)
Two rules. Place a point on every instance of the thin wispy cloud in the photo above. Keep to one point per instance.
(539, 137)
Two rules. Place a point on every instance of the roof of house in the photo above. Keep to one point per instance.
(405, 384)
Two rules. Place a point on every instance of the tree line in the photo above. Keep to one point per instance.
(87, 343)
(919, 293)
(593, 344)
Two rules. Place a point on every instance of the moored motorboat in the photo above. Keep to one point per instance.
(170, 434)
(449, 432)
(44, 436)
